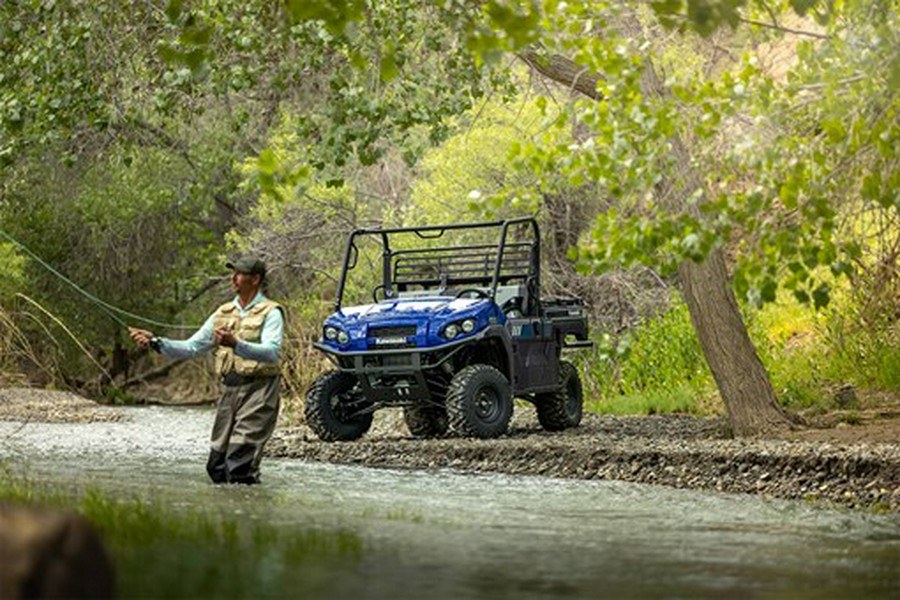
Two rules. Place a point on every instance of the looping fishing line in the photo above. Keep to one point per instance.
(112, 311)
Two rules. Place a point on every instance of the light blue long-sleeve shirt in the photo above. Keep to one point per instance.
(266, 350)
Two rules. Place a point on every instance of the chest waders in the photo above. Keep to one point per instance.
(248, 409)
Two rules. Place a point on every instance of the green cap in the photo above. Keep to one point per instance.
(248, 264)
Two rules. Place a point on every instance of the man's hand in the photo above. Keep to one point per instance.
(225, 337)
(141, 337)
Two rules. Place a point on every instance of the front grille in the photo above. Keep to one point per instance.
(389, 360)
(397, 336)
(395, 331)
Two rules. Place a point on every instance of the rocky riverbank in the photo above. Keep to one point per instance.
(855, 465)
(52, 406)
(677, 451)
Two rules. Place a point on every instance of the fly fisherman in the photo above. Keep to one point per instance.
(246, 336)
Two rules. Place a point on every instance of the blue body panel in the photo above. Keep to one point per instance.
(409, 322)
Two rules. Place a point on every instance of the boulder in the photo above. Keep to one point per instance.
(46, 553)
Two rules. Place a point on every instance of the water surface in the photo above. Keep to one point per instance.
(444, 534)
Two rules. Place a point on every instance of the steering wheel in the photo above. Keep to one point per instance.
(472, 292)
(512, 308)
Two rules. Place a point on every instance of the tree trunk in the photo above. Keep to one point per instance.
(740, 376)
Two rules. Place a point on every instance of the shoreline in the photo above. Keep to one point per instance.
(675, 451)
(853, 466)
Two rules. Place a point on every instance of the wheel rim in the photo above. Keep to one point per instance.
(487, 404)
(341, 404)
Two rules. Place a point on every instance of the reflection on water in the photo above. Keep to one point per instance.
(463, 536)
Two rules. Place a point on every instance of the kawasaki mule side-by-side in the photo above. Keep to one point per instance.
(456, 330)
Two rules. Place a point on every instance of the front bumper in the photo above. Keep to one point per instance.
(394, 361)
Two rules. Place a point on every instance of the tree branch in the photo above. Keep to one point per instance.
(777, 27)
(769, 10)
(563, 71)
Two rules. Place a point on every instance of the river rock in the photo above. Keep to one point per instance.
(50, 554)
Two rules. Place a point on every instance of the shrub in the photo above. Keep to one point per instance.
(657, 367)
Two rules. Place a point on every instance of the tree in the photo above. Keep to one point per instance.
(95, 99)
(702, 161)
(674, 151)
(741, 378)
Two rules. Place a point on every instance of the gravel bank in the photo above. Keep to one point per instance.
(52, 406)
(677, 451)
(853, 466)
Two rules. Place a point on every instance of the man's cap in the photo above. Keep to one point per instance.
(248, 264)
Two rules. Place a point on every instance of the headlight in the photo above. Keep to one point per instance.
(331, 333)
(451, 331)
(342, 337)
(468, 326)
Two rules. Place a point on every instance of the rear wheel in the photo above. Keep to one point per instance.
(562, 409)
(479, 402)
(336, 409)
(426, 420)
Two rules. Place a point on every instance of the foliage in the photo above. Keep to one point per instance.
(164, 552)
(812, 355)
(10, 349)
(783, 163)
(394, 79)
(465, 173)
(104, 230)
(655, 367)
(12, 270)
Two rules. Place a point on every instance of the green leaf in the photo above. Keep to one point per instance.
(266, 163)
(768, 289)
(871, 186)
(788, 194)
(664, 8)
(821, 295)
(834, 129)
(335, 14)
(894, 74)
(173, 10)
(801, 7)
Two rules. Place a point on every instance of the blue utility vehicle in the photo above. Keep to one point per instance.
(457, 328)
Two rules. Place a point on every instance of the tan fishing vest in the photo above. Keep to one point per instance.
(248, 329)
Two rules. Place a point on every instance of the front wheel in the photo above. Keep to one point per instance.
(479, 402)
(336, 409)
(562, 409)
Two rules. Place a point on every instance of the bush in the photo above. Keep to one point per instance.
(658, 367)
(809, 355)
(12, 271)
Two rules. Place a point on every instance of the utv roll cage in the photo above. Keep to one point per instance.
(457, 267)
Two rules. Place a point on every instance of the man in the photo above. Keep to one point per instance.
(246, 335)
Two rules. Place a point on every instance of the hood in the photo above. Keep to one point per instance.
(438, 306)
(408, 322)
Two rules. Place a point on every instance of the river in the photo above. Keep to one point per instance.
(450, 535)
